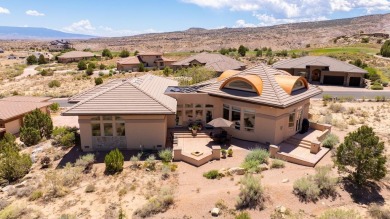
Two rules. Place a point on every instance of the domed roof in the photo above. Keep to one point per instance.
(287, 83)
(227, 74)
(253, 80)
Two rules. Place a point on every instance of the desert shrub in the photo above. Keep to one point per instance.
(31, 60)
(114, 161)
(3, 204)
(13, 211)
(251, 193)
(35, 195)
(89, 71)
(325, 182)
(254, 159)
(98, 81)
(340, 214)
(330, 141)
(13, 165)
(306, 189)
(378, 212)
(276, 163)
(376, 86)
(336, 108)
(54, 107)
(150, 162)
(385, 49)
(39, 121)
(124, 53)
(85, 162)
(167, 71)
(107, 53)
(54, 83)
(47, 72)
(230, 152)
(135, 160)
(9, 140)
(212, 174)
(82, 65)
(157, 204)
(29, 136)
(24, 192)
(243, 215)
(102, 66)
(45, 162)
(166, 155)
(64, 136)
(90, 188)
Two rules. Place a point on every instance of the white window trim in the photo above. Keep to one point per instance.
(113, 121)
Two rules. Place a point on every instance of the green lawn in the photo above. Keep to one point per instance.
(359, 49)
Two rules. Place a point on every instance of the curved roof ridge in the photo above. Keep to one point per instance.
(269, 80)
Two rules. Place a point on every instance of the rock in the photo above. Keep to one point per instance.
(282, 209)
(263, 167)
(285, 180)
(7, 188)
(215, 212)
(237, 170)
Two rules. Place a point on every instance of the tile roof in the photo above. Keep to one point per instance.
(91, 92)
(12, 109)
(217, 62)
(132, 60)
(272, 93)
(78, 54)
(150, 54)
(141, 95)
(333, 64)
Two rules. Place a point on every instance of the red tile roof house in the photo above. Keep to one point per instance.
(150, 60)
(266, 105)
(14, 108)
(76, 56)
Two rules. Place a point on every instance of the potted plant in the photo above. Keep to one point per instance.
(223, 152)
(230, 152)
(194, 130)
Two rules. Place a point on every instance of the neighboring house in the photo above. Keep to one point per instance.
(265, 104)
(1, 50)
(48, 56)
(13, 109)
(324, 70)
(12, 56)
(75, 56)
(149, 60)
(216, 62)
(59, 45)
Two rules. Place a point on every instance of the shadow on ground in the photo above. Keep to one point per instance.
(367, 194)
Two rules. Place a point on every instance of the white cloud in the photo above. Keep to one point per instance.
(4, 11)
(242, 23)
(34, 13)
(269, 20)
(86, 27)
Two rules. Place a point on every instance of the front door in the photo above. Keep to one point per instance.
(299, 121)
(316, 75)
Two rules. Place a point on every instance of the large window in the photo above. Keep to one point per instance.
(179, 117)
(291, 119)
(236, 117)
(298, 85)
(241, 85)
(108, 126)
(249, 120)
(226, 112)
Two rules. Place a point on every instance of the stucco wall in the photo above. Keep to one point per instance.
(13, 126)
(127, 67)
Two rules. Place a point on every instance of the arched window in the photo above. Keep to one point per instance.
(240, 85)
(298, 85)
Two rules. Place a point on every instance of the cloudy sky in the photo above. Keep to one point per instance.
(129, 17)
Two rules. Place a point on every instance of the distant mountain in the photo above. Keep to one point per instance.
(7, 33)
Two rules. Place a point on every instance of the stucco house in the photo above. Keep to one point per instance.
(59, 45)
(76, 56)
(216, 62)
(48, 56)
(324, 70)
(13, 109)
(265, 104)
(149, 60)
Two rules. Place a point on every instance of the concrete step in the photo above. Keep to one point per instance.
(304, 143)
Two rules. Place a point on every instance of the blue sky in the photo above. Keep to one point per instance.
(129, 17)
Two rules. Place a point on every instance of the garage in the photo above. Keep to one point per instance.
(334, 80)
(354, 81)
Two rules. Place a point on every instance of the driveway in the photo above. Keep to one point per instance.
(30, 70)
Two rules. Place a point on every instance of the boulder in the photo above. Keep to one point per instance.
(237, 170)
(215, 212)
(282, 209)
(223, 171)
(285, 180)
(7, 188)
(263, 167)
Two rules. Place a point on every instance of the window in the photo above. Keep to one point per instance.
(198, 114)
(179, 105)
(298, 85)
(209, 115)
(179, 117)
(97, 118)
(209, 106)
(189, 105)
(241, 85)
(291, 119)
(189, 114)
(120, 129)
(96, 129)
(236, 117)
(198, 105)
(107, 118)
(226, 112)
(108, 131)
(249, 120)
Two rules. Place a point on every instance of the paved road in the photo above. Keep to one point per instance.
(356, 94)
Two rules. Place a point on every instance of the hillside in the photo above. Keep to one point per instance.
(287, 36)
(12, 33)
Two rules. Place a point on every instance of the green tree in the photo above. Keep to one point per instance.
(29, 136)
(82, 65)
(98, 81)
(124, 53)
(242, 50)
(102, 66)
(40, 121)
(91, 65)
(31, 60)
(89, 71)
(141, 67)
(361, 155)
(13, 165)
(259, 53)
(136, 52)
(167, 71)
(114, 161)
(385, 49)
(224, 51)
(8, 140)
(41, 60)
(107, 53)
